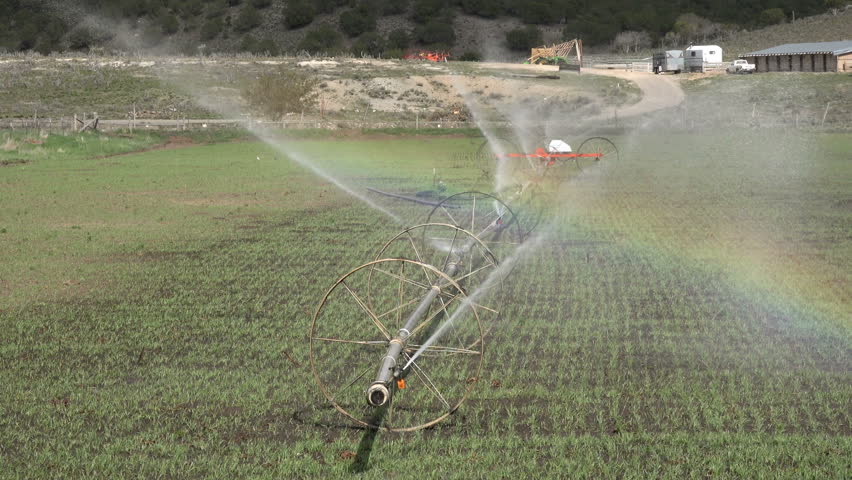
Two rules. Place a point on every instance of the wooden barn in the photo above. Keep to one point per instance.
(804, 57)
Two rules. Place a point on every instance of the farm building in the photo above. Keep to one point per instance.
(804, 57)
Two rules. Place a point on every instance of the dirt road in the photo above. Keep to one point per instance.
(658, 91)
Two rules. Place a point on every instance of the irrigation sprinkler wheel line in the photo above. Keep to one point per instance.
(600, 145)
(513, 221)
(468, 385)
(408, 238)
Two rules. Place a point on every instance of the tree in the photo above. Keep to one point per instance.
(370, 43)
(211, 29)
(399, 39)
(298, 14)
(424, 11)
(261, 4)
(533, 11)
(834, 5)
(483, 8)
(285, 91)
(470, 56)
(772, 16)
(322, 39)
(631, 39)
(216, 8)
(356, 21)
(169, 24)
(438, 32)
(524, 38)
(248, 19)
(263, 47)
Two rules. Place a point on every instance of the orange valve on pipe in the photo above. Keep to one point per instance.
(400, 384)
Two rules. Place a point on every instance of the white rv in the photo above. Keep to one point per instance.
(707, 53)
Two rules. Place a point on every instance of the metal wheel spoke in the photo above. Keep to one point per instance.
(357, 342)
(473, 214)
(399, 308)
(455, 332)
(438, 348)
(419, 258)
(423, 324)
(399, 304)
(479, 305)
(366, 310)
(359, 377)
(473, 272)
(449, 215)
(428, 382)
(403, 279)
(450, 252)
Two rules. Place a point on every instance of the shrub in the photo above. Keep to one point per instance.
(399, 39)
(211, 29)
(248, 19)
(82, 38)
(438, 33)
(536, 12)
(483, 8)
(470, 56)
(425, 11)
(190, 8)
(328, 6)
(261, 3)
(524, 38)
(772, 16)
(282, 92)
(394, 7)
(394, 53)
(356, 21)
(169, 24)
(216, 8)
(298, 14)
(322, 39)
(370, 43)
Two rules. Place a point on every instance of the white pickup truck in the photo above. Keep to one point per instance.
(740, 66)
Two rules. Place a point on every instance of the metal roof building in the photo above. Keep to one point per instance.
(804, 57)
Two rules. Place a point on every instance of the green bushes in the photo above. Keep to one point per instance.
(322, 39)
(399, 39)
(437, 34)
(772, 16)
(356, 21)
(266, 46)
(298, 14)
(249, 18)
(370, 43)
(524, 38)
(211, 29)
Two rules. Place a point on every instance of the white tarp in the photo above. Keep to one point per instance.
(558, 146)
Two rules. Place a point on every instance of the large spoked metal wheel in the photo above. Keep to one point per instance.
(489, 155)
(528, 204)
(594, 150)
(348, 339)
(442, 245)
(486, 216)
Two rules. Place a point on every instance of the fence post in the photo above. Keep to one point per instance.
(825, 114)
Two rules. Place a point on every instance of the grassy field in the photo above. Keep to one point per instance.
(788, 100)
(686, 313)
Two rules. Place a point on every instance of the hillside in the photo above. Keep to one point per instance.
(474, 28)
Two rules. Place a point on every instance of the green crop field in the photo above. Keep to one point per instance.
(684, 312)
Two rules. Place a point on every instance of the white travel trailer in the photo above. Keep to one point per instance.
(707, 53)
